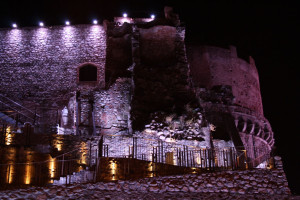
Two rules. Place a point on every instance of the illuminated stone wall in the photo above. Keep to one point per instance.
(111, 110)
(41, 63)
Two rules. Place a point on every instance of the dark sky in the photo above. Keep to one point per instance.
(266, 31)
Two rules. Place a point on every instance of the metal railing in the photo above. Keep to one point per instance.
(155, 151)
(175, 154)
(41, 173)
(18, 111)
(255, 162)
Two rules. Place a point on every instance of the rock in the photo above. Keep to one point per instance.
(41, 197)
(192, 189)
(229, 185)
(162, 137)
(241, 191)
(52, 191)
(232, 190)
(224, 190)
(160, 133)
(153, 189)
(143, 189)
(61, 193)
(262, 190)
(212, 190)
(219, 184)
(170, 189)
(265, 185)
(185, 189)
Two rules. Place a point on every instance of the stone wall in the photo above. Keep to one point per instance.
(119, 53)
(212, 66)
(111, 109)
(160, 74)
(41, 63)
(251, 184)
(242, 182)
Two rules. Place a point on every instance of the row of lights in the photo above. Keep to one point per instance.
(152, 16)
(41, 24)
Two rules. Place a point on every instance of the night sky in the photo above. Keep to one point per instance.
(266, 31)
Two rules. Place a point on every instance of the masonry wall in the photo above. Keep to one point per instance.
(212, 66)
(112, 109)
(119, 56)
(161, 73)
(41, 63)
(249, 184)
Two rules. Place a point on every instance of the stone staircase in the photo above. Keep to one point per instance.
(83, 176)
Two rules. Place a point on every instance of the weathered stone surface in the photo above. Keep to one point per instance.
(191, 185)
(42, 62)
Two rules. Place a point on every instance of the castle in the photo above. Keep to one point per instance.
(133, 78)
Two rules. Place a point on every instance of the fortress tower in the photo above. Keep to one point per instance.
(218, 71)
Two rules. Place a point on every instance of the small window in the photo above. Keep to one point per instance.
(88, 73)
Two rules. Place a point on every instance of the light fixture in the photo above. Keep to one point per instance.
(14, 25)
(67, 23)
(125, 15)
(152, 16)
(95, 21)
(41, 24)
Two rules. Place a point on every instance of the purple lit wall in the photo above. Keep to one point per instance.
(42, 62)
(212, 66)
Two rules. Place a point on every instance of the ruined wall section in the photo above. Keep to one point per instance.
(217, 70)
(212, 66)
(160, 73)
(41, 63)
(119, 57)
(111, 110)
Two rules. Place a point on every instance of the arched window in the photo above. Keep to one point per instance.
(88, 73)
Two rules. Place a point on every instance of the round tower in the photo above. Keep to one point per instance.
(213, 67)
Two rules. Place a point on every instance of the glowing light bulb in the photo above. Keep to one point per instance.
(95, 21)
(14, 25)
(41, 24)
(152, 16)
(67, 23)
(125, 15)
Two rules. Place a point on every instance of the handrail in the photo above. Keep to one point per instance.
(45, 161)
(16, 110)
(259, 159)
(18, 104)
